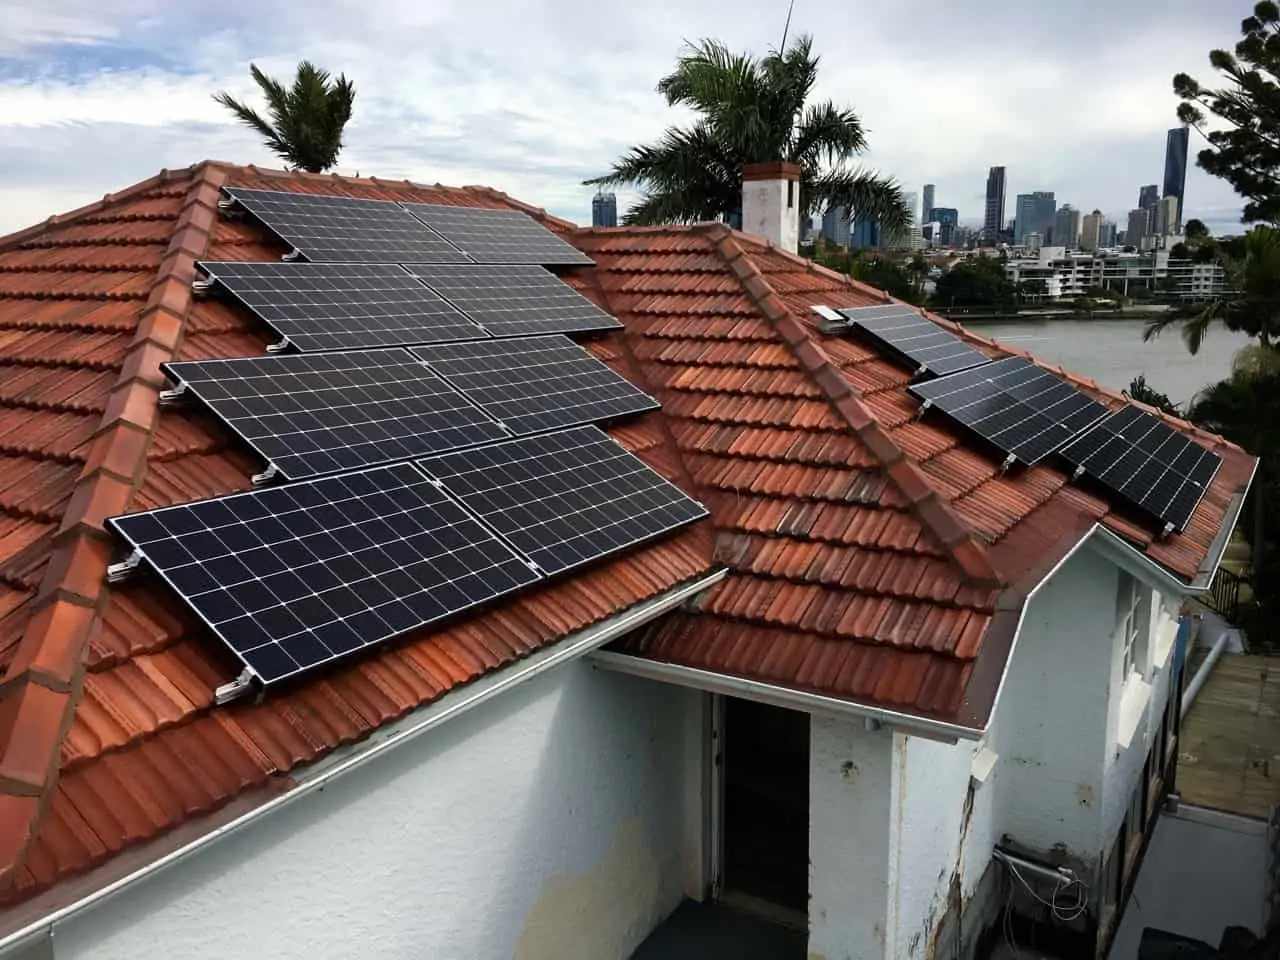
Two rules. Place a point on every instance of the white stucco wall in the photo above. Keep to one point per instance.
(549, 822)
(850, 793)
(765, 212)
(930, 781)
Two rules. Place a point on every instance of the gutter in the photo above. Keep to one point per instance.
(385, 739)
(711, 682)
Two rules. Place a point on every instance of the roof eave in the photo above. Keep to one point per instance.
(791, 698)
(448, 707)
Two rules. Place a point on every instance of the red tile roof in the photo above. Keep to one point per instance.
(872, 556)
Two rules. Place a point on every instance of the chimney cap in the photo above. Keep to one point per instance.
(773, 170)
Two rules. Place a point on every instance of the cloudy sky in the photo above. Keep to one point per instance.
(532, 97)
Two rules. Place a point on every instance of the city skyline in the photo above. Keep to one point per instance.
(96, 96)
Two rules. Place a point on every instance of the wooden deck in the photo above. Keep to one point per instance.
(1229, 755)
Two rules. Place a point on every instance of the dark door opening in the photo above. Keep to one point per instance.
(766, 803)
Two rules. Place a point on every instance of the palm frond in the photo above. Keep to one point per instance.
(865, 195)
(827, 134)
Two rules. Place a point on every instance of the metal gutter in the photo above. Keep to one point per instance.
(387, 738)
(711, 682)
(1218, 548)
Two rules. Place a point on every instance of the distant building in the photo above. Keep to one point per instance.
(864, 233)
(1175, 169)
(927, 205)
(1167, 217)
(1106, 234)
(1033, 214)
(913, 237)
(1064, 275)
(947, 219)
(1066, 227)
(835, 225)
(1033, 241)
(604, 210)
(993, 215)
(1138, 227)
(1148, 200)
(1090, 230)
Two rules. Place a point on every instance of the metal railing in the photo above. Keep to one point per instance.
(1224, 594)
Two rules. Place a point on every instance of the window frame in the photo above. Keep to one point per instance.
(1130, 607)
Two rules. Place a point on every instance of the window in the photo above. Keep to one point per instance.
(1133, 620)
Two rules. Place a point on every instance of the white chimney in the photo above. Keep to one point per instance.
(771, 203)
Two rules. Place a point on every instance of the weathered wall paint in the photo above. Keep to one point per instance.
(546, 823)
(850, 794)
(928, 837)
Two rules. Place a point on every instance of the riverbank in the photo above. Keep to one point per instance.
(1140, 314)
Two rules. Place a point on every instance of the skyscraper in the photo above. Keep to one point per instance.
(1033, 214)
(1168, 216)
(1090, 228)
(1175, 168)
(927, 206)
(993, 216)
(1149, 198)
(947, 218)
(1138, 228)
(604, 210)
(1066, 227)
(864, 233)
(835, 224)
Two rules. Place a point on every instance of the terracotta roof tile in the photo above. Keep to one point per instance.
(862, 543)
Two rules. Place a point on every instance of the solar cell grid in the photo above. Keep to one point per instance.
(497, 236)
(1147, 462)
(310, 414)
(513, 300)
(567, 498)
(1022, 409)
(532, 384)
(919, 340)
(328, 306)
(295, 577)
(324, 227)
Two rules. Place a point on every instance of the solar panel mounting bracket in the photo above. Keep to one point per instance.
(173, 395)
(1008, 463)
(266, 476)
(117, 572)
(924, 405)
(1167, 529)
(201, 288)
(280, 346)
(230, 206)
(293, 256)
(236, 689)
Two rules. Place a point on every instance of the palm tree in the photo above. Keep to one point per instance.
(306, 120)
(752, 111)
(1251, 304)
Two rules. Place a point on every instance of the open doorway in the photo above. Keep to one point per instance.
(765, 791)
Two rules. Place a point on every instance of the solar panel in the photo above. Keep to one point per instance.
(566, 498)
(1144, 460)
(323, 227)
(513, 300)
(331, 306)
(295, 577)
(1021, 408)
(310, 414)
(497, 236)
(918, 340)
(532, 384)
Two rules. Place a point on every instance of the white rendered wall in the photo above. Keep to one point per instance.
(766, 213)
(928, 839)
(850, 795)
(549, 822)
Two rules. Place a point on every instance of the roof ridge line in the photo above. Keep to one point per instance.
(128, 193)
(42, 688)
(928, 506)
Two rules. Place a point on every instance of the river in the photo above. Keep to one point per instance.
(1112, 352)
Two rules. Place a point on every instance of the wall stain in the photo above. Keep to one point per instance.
(601, 913)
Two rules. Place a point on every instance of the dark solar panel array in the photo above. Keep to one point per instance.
(295, 577)
(566, 498)
(498, 236)
(532, 384)
(1147, 462)
(1022, 409)
(919, 341)
(343, 229)
(310, 414)
(514, 300)
(332, 306)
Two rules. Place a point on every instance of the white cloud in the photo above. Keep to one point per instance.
(532, 97)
